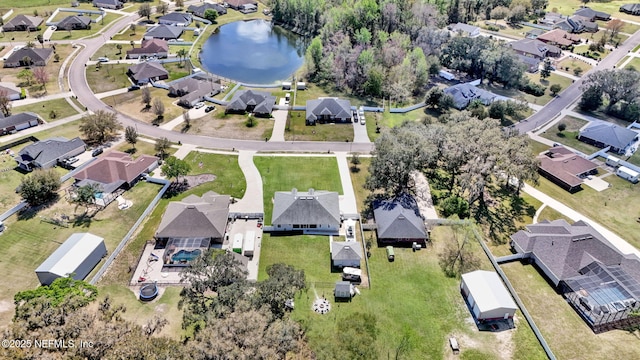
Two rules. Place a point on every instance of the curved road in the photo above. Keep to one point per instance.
(573, 92)
(78, 83)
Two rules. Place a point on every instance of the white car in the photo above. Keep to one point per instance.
(103, 59)
(198, 105)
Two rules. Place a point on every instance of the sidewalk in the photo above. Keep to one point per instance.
(112, 93)
(348, 199)
(35, 129)
(34, 100)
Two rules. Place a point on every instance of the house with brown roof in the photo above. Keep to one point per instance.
(534, 48)
(23, 23)
(150, 47)
(559, 37)
(565, 168)
(114, 173)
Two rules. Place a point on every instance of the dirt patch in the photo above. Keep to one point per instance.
(5, 306)
(231, 126)
(187, 182)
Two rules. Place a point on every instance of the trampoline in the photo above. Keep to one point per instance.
(148, 292)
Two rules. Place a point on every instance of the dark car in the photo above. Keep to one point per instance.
(134, 87)
(209, 108)
(97, 152)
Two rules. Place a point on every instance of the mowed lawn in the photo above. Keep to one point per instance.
(108, 77)
(566, 333)
(569, 135)
(58, 107)
(302, 173)
(297, 130)
(411, 298)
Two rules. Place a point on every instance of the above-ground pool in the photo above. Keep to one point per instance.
(185, 255)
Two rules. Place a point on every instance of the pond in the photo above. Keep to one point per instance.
(253, 52)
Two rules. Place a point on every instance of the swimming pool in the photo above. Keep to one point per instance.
(185, 255)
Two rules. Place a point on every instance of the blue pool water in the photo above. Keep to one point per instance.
(186, 255)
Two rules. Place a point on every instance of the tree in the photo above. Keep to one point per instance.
(56, 57)
(145, 11)
(499, 13)
(40, 39)
(210, 272)
(40, 187)
(555, 89)
(618, 85)
(314, 57)
(577, 71)
(182, 54)
(562, 127)
(162, 8)
(132, 43)
(42, 76)
(131, 135)
(5, 103)
(591, 98)
(161, 146)
(26, 75)
(133, 28)
(356, 337)
(174, 168)
(518, 13)
(613, 28)
(158, 108)
(546, 69)
(146, 97)
(458, 257)
(187, 118)
(119, 47)
(211, 15)
(99, 127)
(179, 3)
(283, 283)
(86, 195)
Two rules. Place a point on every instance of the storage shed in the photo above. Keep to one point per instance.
(343, 290)
(78, 255)
(628, 174)
(486, 295)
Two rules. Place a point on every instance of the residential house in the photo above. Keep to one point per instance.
(248, 8)
(532, 64)
(559, 37)
(602, 134)
(36, 56)
(487, 296)
(398, 221)
(534, 48)
(10, 92)
(599, 282)
(49, 153)
(74, 22)
(465, 30)
(551, 18)
(113, 173)
(577, 24)
(146, 72)
(166, 32)
(198, 10)
(108, 4)
(238, 4)
(534, 33)
(23, 23)
(591, 14)
(464, 94)
(17, 122)
(194, 89)
(202, 220)
(346, 254)
(565, 168)
(631, 9)
(158, 48)
(312, 212)
(76, 257)
(176, 19)
(258, 102)
(328, 109)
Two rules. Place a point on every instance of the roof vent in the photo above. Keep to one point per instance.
(311, 191)
(191, 206)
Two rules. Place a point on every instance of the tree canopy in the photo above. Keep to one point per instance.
(40, 187)
(100, 126)
(174, 168)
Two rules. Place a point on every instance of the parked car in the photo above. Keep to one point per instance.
(209, 108)
(133, 87)
(97, 152)
(362, 121)
(103, 59)
(198, 105)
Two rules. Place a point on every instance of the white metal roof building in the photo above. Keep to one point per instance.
(78, 255)
(487, 296)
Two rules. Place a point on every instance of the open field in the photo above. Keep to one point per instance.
(302, 173)
(565, 82)
(297, 130)
(230, 126)
(77, 34)
(129, 103)
(568, 7)
(229, 178)
(114, 74)
(635, 158)
(567, 334)
(358, 179)
(68, 130)
(111, 51)
(9, 181)
(60, 107)
(569, 135)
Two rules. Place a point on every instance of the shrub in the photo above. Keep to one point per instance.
(455, 205)
(533, 89)
(562, 127)
(53, 114)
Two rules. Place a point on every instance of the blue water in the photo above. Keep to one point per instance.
(99, 195)
(253, 52)
(186, 255)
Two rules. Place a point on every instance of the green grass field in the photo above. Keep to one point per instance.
(108, 77)
(77, 34)
(68, 130)
(569, 135)
(551, 214)
(302, 173)
(635, 63)
(297, 130)
(229, 178)
(61, 108)
(568, 7)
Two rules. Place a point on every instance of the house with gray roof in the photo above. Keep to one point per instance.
(565, 168)
(600, 283)
(74, 22)
(346, 253)
(148, 48)
(194, 89)
(17, 122)
(195, 217)
(108, 4)
(532, 64)
(48, 153)
(312, 212)
(258, 102)
(534, 48)
(328, 109)
(631, 9)
(36, 56)
(198, 10)
(10, 92)
(602, 134)
(398, 221)
(239, 4)
(76, 257)
(176, 19)
(576, 24)
(465, 29)
(23, 23)
(148, 71)
(166, 32)
(343, 291)
(464, 94)
(591, 14)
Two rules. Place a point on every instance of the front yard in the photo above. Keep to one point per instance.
(130, 104)
(59, 108)
(77, 34)
(569, 136)
(229, 126)
(108, 77)
(297, 130)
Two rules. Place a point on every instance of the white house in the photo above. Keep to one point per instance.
(486, 295)
(78, 255)
(628, 174)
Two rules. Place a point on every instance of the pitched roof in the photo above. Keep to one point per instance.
(149, 46)
(107, 2)
(331, 106)
(630, 8)
(49, 150)
(559, 36)
(534, 47)
(17, 119)
(565, 165)
(591, 14)
(199, 10)
(263, 101)
(114, 169)
(239, 3)
(70, 20)
(9, 90)
(312, 207)
(609, 134)
(346, 250)
(69, 256)
(195, 217)
(147, 70)
(488, 291)
(399, 218)
(465, 28)
(35, 54)
(463, 94)
(177, 17)
(165, 31)
(24, 20)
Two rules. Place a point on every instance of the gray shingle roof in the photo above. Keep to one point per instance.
(334, 107)
(195, 217)
(465, 28)
(164, 32)
(35, 54)
(399, 218)
(263, 101)
(198, 10)
(148, 70)
(609, 134)
(17, 119)
(70, 21)
(534, 47)
(312, 207)
(49, 150)
(463, 94)
(24, 20)
(177, 17)
(346, 250)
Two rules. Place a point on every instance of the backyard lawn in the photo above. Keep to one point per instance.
(297, 130)
(229, 126)
(108, 77)
(569, 135)
(68, 130)
(302, 173)
(59, 107)
(548, 213)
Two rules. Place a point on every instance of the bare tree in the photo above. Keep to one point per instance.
(613, 27)
(162, 8)
(146, 97)
(42, 76)
(458, 256)
(5, 103)
(158, 108)
(179, 3)
(187, 119)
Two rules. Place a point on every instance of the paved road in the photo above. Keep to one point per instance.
(573, 92)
